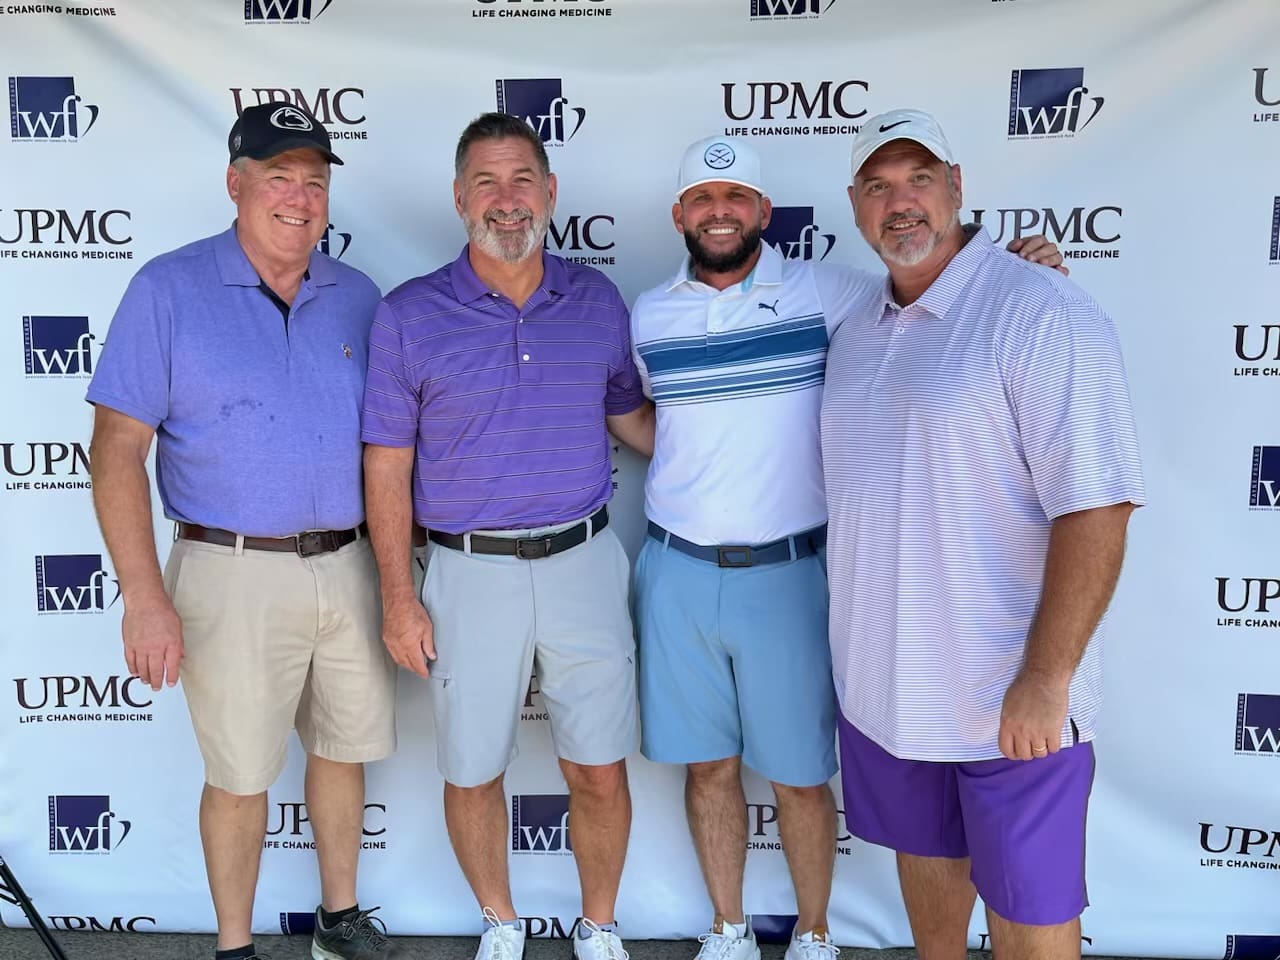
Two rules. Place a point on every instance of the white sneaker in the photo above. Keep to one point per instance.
(500, 941)
(814, 945)
(600, 945)
(727, 941)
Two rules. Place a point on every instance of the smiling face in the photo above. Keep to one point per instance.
(906, 201)
(505, 199)
(282, 204)
(721, 223)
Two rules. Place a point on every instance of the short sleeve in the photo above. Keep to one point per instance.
(1066, 381)
(391, 400)
(843, 291)
(133, 371)
(623, 393)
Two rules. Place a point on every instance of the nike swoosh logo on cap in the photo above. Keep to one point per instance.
(890, 126)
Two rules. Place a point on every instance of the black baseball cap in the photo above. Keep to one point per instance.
(271, 128)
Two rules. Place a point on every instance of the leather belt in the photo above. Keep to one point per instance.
(526, 548)
(306, 544)
(804, 544)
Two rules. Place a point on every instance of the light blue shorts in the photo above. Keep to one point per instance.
(735, 662)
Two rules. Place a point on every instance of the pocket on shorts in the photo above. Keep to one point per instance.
(178, 573)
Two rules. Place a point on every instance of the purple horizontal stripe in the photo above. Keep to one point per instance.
(501, 442)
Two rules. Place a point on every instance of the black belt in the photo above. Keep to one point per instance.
(526, 548)
(804, 544)
(306, 544)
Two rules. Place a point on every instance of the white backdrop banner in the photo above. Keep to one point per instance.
(1143, 136)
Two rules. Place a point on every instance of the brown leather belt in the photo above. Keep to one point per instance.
(526, 548)
(306, 544)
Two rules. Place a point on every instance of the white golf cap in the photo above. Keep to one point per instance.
(720, 158)
(915, 125)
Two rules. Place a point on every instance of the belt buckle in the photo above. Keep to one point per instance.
(313, 542)
(734, 557)
(542, 545)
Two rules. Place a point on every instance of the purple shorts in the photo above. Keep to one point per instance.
(1021, 823)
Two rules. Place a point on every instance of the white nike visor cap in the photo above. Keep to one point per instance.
(914, 125)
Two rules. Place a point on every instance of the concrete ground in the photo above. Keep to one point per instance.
(24, 945)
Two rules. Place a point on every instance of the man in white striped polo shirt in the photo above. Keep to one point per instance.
(730, 592)
(981, 464)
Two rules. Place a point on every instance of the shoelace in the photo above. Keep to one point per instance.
(602, 942)
(363, 923)
(817, 949)
(716, 946)
(503, 942)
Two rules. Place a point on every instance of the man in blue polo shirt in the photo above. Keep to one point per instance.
(244, 355)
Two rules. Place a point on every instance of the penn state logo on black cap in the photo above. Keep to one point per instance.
(291, 118)
(271, 128)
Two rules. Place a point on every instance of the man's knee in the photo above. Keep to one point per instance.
(602, 781)
(711, 774)
(817, 795)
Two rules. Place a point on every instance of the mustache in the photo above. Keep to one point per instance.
(899, 217)
(519, 213)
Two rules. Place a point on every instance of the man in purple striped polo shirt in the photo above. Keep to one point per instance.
(498, 377)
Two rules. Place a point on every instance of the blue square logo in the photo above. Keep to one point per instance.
(47, 109)
(1049, 103)
(1258, 723)
(787, 9)
(540, 823)
(795, 235)
(1252, 948)
(84, 824)
(1264, 490)
(57, 346)
(542, 105)
(74, 583)
(284, 11)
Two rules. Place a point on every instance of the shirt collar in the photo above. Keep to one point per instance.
(467, 285)
(235, 270)
(941, 296)
(767, 271)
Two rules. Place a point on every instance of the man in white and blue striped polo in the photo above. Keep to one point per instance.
(730, 592)
(981, 464)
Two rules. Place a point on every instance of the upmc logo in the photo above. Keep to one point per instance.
(1258, 723)
(1049, 103)
(36, 226)
(1252, 948)
(332, 106)
(542, 105)
(57, 346)
(788, 9)
(288, 819)
(583, 239)
(795, 235)
(47, 109)
(74, 583)
(81, 692)
(85, 825)
(1083, 232)
(284, 11)
(44, 459)
(769, 100)
(94, 925)
(1264, 491)
(1260, 94)
(540, 823)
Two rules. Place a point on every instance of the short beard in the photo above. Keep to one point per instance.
(909, 256)
(724, 262)
(508, 247)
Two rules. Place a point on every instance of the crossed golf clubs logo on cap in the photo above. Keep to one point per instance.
(719, 156)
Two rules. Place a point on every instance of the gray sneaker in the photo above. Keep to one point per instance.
(363, 937)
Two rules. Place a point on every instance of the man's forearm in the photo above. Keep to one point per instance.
(122, 500)
(388, 478)
(636, 429)
(1083, 564)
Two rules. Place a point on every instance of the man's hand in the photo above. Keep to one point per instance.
(410, 637)
(1035, 708)
(1039, 249)
(152, 633)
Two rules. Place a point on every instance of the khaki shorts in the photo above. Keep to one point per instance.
(273, 643)
(495, 616)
